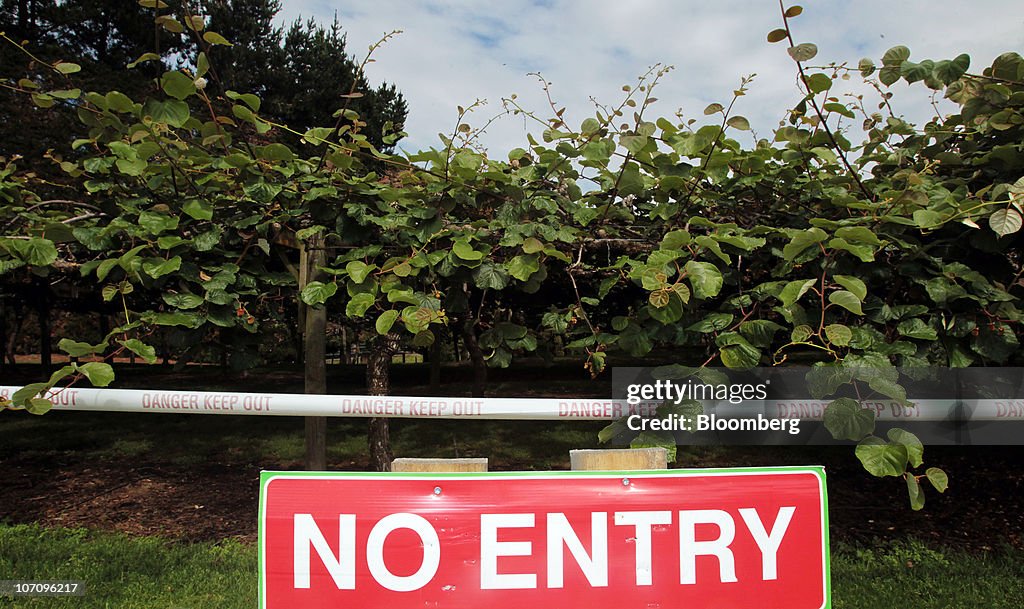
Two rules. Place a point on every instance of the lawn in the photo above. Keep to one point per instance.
(126, 572)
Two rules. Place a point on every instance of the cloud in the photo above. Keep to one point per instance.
(453, 52)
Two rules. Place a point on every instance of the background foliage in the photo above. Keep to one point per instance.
(623, 233)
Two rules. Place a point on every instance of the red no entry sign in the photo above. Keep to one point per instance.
(693, 539)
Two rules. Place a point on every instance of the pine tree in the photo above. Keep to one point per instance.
(301, 73)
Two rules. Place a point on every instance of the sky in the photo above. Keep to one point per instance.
(453, 52)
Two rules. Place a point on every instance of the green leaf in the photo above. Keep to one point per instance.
(915, 450)
(23, 395)
(79, 349)
(825, 154)
(202, 65)
(136, 346)
(385, 321)
(403, 269)
(358, 271)
(777, 35)
(653, 278)
(738, 122)
(819, 83)
(713, 322)
(838, 334)
(801, 333)
(736, 352)
(99, 374)
(914, 72)
(358, 305)
(713, 108)
(847, 300)
(66, 67)
(1005, 221)
(142, 58)
(198, 209)
(182, 300)
(423, 339)
(465, 251)
(854, 285)
(262, 191)
(669, 314)
(793, 290)
(846, 420)
(889, 75)
(888, 388)
(634, 143)
(917, 328)
(532, 246)
(188, 320)
(759, 332)
(866, 67)
(803, 52)
(177, 85)
(38, 252)
(915, 493)
(793, 11)
(156, 223)
(215, 38)
(490, 277)
(195, 22)
(803, 240)
(838, 108)
(522, 267)
(896, 55)
(158, 267)
(938, 478)
(248, 99)
(704, 277)
(171, 112)
(38, 406)
(881, 458)
(317, 292)
(825, 379)
(659, 299)
(131, 167)
(949, 71)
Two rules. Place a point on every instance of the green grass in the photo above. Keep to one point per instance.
(125, 572)
(147, 573)
(190, 439)
(912, 575)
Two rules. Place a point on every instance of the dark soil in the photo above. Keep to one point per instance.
(983, 508)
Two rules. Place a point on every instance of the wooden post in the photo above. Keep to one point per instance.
(439, 465)
(378, 383)
(314, 341)
(623, 459)
(435, 364)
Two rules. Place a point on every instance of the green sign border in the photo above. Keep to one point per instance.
(267, 476)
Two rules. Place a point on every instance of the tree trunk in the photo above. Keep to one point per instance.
(435, 364)
(476, 356)
(378, 382)
(314, 355)
(12, 340)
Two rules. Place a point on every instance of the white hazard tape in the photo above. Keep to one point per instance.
(311, 405)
